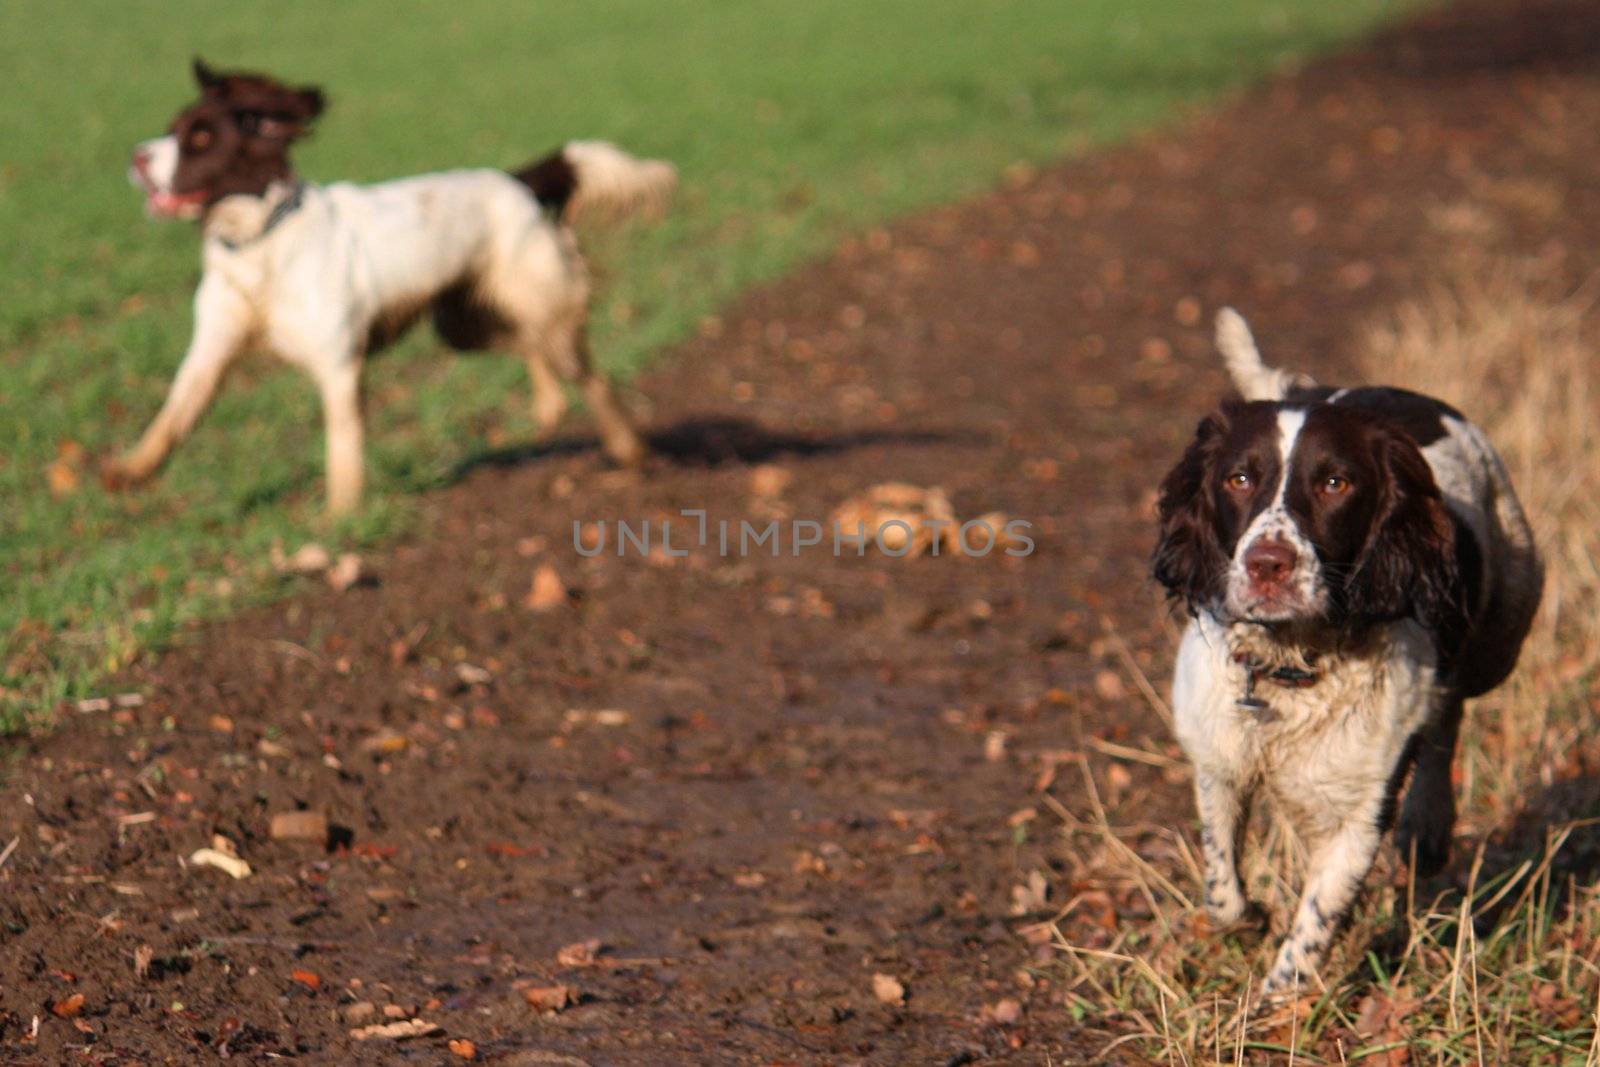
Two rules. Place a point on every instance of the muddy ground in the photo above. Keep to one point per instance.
(760, 782)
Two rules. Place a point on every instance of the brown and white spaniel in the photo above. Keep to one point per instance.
(1355, 565)
(324, 275)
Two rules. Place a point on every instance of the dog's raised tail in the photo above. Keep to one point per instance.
(596, 179)
(1252, 377)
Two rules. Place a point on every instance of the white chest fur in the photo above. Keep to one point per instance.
(1318, 751)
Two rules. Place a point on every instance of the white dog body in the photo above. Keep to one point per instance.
(322, 276)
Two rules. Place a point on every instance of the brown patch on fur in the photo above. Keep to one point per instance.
(552, 180)
(468, 323)
(235, 140)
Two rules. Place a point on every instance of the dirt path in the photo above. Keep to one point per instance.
(815, 771)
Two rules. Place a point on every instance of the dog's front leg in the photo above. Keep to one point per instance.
(340, 386)
(222, 323)
(549, 396)
(1224, 806)
(1339, 862)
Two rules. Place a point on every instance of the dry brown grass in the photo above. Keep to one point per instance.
(1502, 967)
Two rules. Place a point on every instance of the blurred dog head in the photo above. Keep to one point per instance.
(234, 140)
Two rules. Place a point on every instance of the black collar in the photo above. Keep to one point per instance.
(281, 210)
(1254, 672)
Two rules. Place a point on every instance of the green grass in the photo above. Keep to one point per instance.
(792, 123)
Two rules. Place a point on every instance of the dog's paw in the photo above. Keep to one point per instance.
(116, 475)
(627, 451)
(1280, 986)
(1250, 926)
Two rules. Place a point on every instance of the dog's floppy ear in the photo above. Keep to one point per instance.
(274, 111)
(309, 102)
(211, 83)
(262, 103)
(1189, 561)
(1408, 566)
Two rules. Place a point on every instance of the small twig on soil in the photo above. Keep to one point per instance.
(295, 651)
(10, 848)
(1137, 755)
(286, 944)
(1135, 671)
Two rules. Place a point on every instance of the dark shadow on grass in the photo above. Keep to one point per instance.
(1562, 822)
(1559, 829)
(1486, 37)
(714, 440)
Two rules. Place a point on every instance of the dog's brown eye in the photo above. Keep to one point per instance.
(1333, 485)
(1238, 481)
(199, 139)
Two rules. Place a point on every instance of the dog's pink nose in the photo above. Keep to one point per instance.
(1269, 563)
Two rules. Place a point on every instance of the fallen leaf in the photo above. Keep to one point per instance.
(1031, 896)
(1118, 782)
(888, 989)
(579, 954)
(551, 999)
(1109, 685)
(396, 1031)
(220, 724)
(769, 480)
(143, 956)
(67, 1007)
(471, 675)
(309, 558)
(987, 533)
(385, 742)
(211, 857)
(600, 717)
(62, 477)
(1005, 1012)
(463, 1048)
(994, 746)
(548, 590)
(299, 826)
(306, 978)
(899, 518)
(360, 1011)
(345, 573)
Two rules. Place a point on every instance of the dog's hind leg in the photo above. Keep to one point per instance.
(1428, 815)
(221, 326)
(570, 356)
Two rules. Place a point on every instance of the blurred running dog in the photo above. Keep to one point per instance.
(1356, 566)
(324, 276)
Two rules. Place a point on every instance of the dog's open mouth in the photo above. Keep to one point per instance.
(163, 203)
(166, 205)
